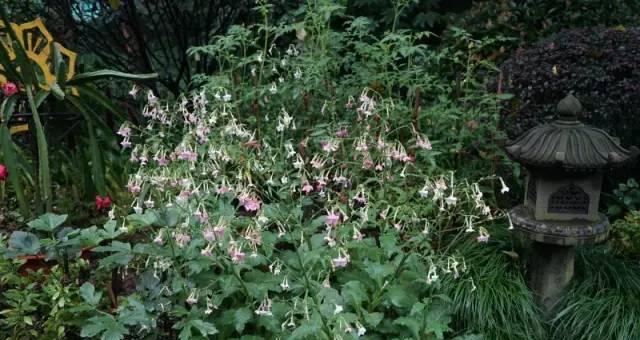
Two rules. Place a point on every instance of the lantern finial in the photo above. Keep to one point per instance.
(569, 108)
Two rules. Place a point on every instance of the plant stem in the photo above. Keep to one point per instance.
(307, 284)
(43, 153)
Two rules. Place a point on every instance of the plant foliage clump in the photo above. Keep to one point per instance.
(497, 303)
(598, 65)
(603, 303)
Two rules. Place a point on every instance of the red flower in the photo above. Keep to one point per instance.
(9, 89)
(4, 173)
(103, 203)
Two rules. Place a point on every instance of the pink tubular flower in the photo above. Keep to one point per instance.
(223, 189)
(483, 238)
(307, 188)
(342, 133)
(182, 239)
(9, 89)
(124, 131)
(249, 203)
(332, 219)
(423, 143)
(4, 173)
(213, 234)
(341, 261)
(237, 256)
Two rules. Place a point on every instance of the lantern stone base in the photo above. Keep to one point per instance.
(553, 250)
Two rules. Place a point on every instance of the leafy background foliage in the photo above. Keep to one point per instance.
(441, 84)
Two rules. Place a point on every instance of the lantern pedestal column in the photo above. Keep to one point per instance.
(550, 272)
(553, 244)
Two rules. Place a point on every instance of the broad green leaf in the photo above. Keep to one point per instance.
(47, 222)
(24, 243)
(88, 294)
(354, 292)
(373, 319)
(401, 297)
(105, 324)
(411, 323)
(241, 317)
(110, 231)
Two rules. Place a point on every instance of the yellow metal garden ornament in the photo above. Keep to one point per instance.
(37, 43)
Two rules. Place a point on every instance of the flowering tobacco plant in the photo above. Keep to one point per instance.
(285, 199)
(342, 236)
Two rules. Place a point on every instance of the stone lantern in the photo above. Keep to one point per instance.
(566, 161)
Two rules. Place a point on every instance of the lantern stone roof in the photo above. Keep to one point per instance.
(568, 144)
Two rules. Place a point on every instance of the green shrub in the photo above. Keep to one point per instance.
(625, 235)
(496, 302)
(603, 302)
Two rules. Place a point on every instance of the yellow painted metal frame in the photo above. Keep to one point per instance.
(36, 40)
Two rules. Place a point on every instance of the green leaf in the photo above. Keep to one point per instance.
(205, 328)
(411, 323)
(24, 243)
(373, 319)
(105, 324)
(84, 78)
(354, 292)
(389, 244)
(401, 297)
(110, 231)
(241, 317)
(47, 222)
(88, 294)
(143, 220)
(122, 254)
(134, 313)
(307, 330)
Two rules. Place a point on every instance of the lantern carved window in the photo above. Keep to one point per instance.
(570, 199)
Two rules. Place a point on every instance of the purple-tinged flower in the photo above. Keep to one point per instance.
(237, 256)
(126, 143)
(342, 133)
(124, 131)
(192, 298)
(158, 239)
(207, 251)
(332, 219)
(182, 239)
(307, 188)
(133, 187)
(249, 203)
(329, 146)
(423, 143)
(265, 307)
(342, 260)
(483, 238)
